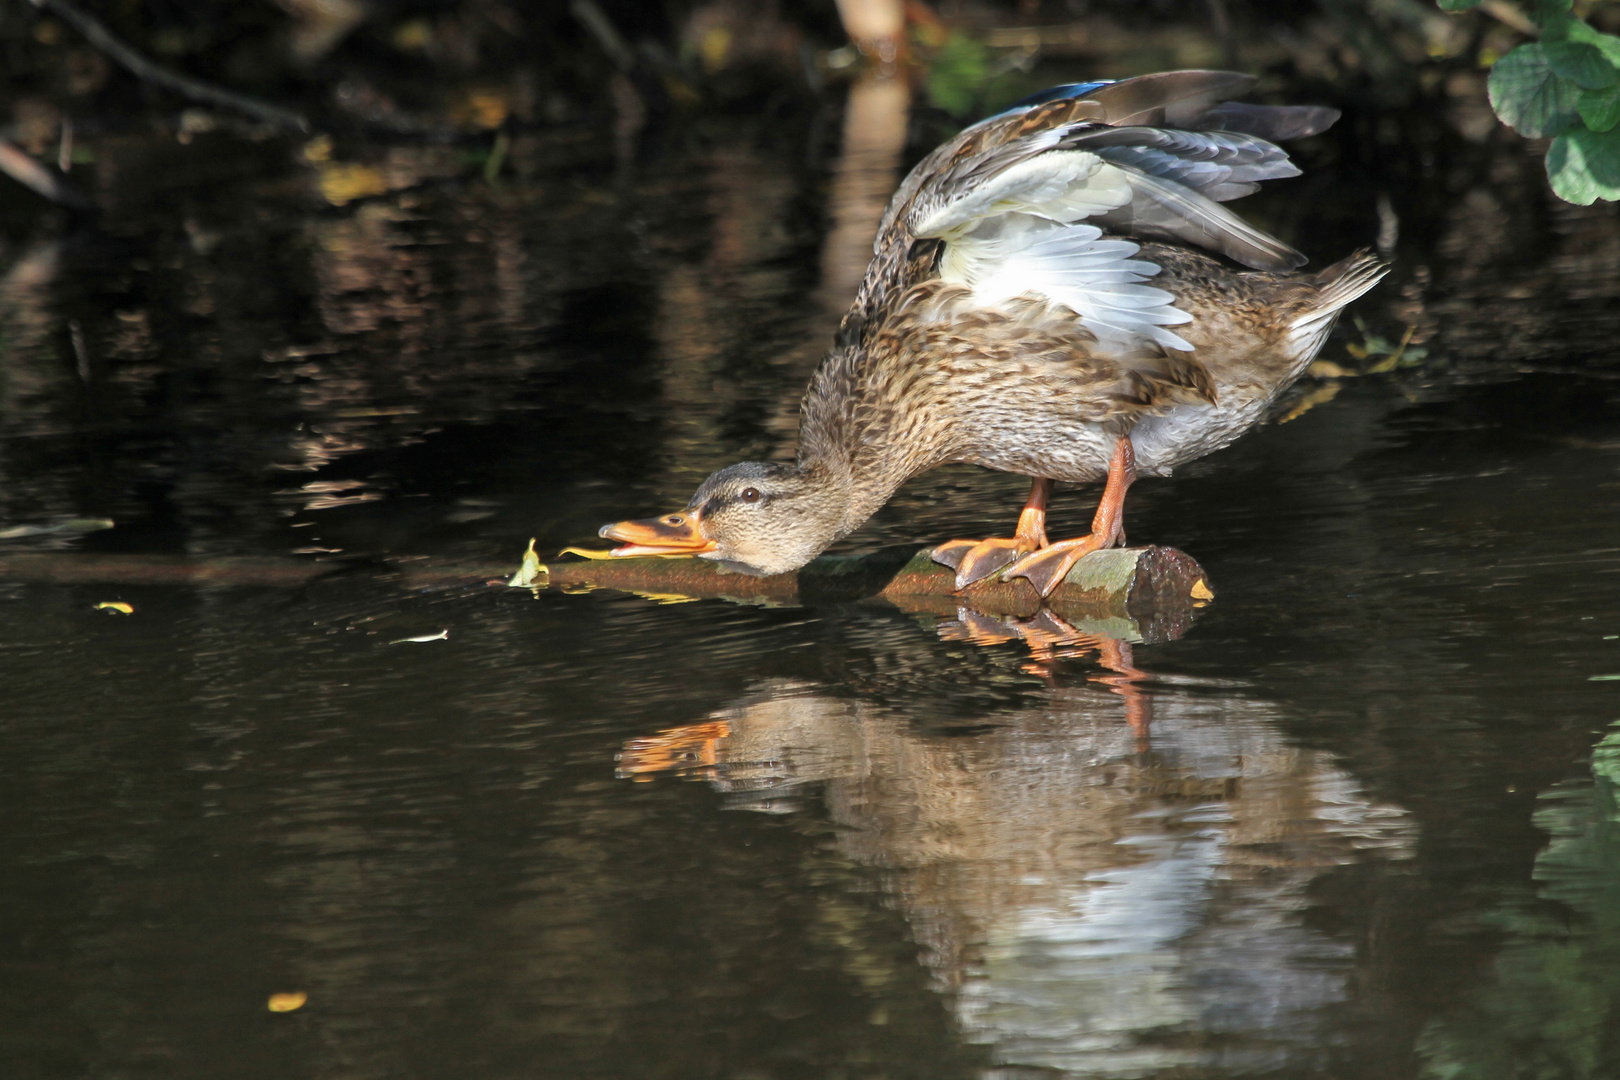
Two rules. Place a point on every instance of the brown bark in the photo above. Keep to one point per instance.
(1125, 581)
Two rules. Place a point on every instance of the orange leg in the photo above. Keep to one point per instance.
(1116, 657)
(1046, 567)
(975, 560)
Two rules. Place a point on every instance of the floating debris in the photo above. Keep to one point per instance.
(70, 527)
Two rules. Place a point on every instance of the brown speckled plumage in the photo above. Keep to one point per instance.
(929, 369)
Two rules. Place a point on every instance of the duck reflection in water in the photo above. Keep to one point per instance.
(1051, 638)
(1098, 898)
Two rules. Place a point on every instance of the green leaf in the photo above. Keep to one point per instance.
(1581, 54)
(959, 72)
(1529, 95)
(1569, 28)
(1600, 108)
(1584, 166)
(1581, 63)
(1459, 5)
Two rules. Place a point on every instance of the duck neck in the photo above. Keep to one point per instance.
(833, 505)
(852, 475)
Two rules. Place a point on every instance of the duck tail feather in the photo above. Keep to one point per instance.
(1341, 283)
(1335, 287)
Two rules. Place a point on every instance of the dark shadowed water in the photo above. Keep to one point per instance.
(1361, 821)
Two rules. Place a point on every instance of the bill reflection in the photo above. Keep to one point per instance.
(1111, 883)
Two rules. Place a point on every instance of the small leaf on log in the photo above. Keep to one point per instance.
(532, 574)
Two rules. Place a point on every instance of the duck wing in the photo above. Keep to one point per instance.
(1020, 202)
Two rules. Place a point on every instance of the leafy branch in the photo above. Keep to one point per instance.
(1565, 86)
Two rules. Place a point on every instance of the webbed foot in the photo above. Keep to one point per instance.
(1045, 569)
(975, 560)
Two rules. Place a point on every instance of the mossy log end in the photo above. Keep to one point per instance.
(1131, 581)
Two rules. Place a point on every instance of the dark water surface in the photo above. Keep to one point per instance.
(1360, 821)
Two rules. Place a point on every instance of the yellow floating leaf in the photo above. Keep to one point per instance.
(1327, 369)
(1200, 591)
(343, 182)
(318, 150)
(414, 36)
(1323, 393)
(486, 107)
(115, 605)
(714, 48)
(288, 1002)
(1388, 363)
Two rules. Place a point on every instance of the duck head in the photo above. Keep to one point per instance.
(756, 518)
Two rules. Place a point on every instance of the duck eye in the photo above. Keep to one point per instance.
(750, 495)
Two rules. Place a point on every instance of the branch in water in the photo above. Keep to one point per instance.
(30, 173)
(98, 35)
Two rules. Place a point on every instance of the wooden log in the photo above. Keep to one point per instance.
(1136, 583)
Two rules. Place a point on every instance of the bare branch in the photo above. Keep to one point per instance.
(30, 173)
(97, 34)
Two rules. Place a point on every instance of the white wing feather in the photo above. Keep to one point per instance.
(1060, 185)
(1014, 255)
(1013, 235)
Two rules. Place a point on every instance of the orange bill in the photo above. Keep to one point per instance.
(672, 534)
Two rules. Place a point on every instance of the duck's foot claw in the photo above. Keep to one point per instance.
(975, 560)
(1045, 569)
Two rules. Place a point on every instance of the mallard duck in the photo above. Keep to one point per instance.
(1007, 320)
